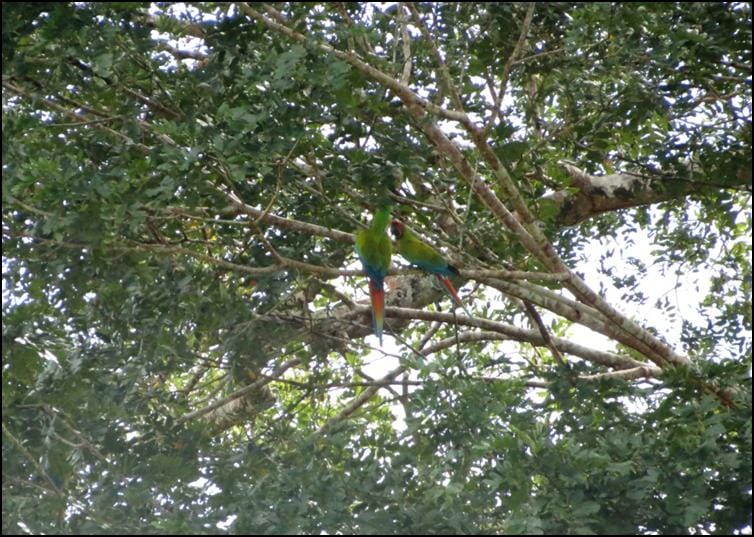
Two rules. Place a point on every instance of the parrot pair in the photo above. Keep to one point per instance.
(374, 248)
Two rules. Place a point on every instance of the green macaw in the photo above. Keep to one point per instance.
(421, 254)
(374, 249)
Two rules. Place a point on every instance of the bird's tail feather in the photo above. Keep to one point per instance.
(452, 290)
(377, 294)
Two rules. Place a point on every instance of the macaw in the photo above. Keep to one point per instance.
(374, 248)
(421, 254)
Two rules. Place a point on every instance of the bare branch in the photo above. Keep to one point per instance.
(285, 223)
(626, 374)
(406, 39)
(537, 320)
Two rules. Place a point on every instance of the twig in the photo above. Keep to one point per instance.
(537, 320)
(505, 76)
(238, 393)
(360, 400)
(77, 116)
(278, 184)
(286, 223)
(26, 453)
(442, 66)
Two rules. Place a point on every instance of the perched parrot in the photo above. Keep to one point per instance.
(374, 249)
(421, 254)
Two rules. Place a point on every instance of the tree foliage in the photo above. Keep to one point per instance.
(184, 322)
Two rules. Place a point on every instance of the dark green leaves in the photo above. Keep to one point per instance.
(139, 297)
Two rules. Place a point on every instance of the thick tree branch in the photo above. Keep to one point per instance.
(594, 195)
(518, 334)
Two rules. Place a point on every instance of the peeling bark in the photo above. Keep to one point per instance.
(593, 195)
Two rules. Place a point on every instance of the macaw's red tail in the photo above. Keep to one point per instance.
(452, 290)
(378, 308)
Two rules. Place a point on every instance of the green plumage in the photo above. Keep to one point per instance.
(419, 252)
(374, 247)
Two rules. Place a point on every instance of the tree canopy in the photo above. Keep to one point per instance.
(186, 329)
